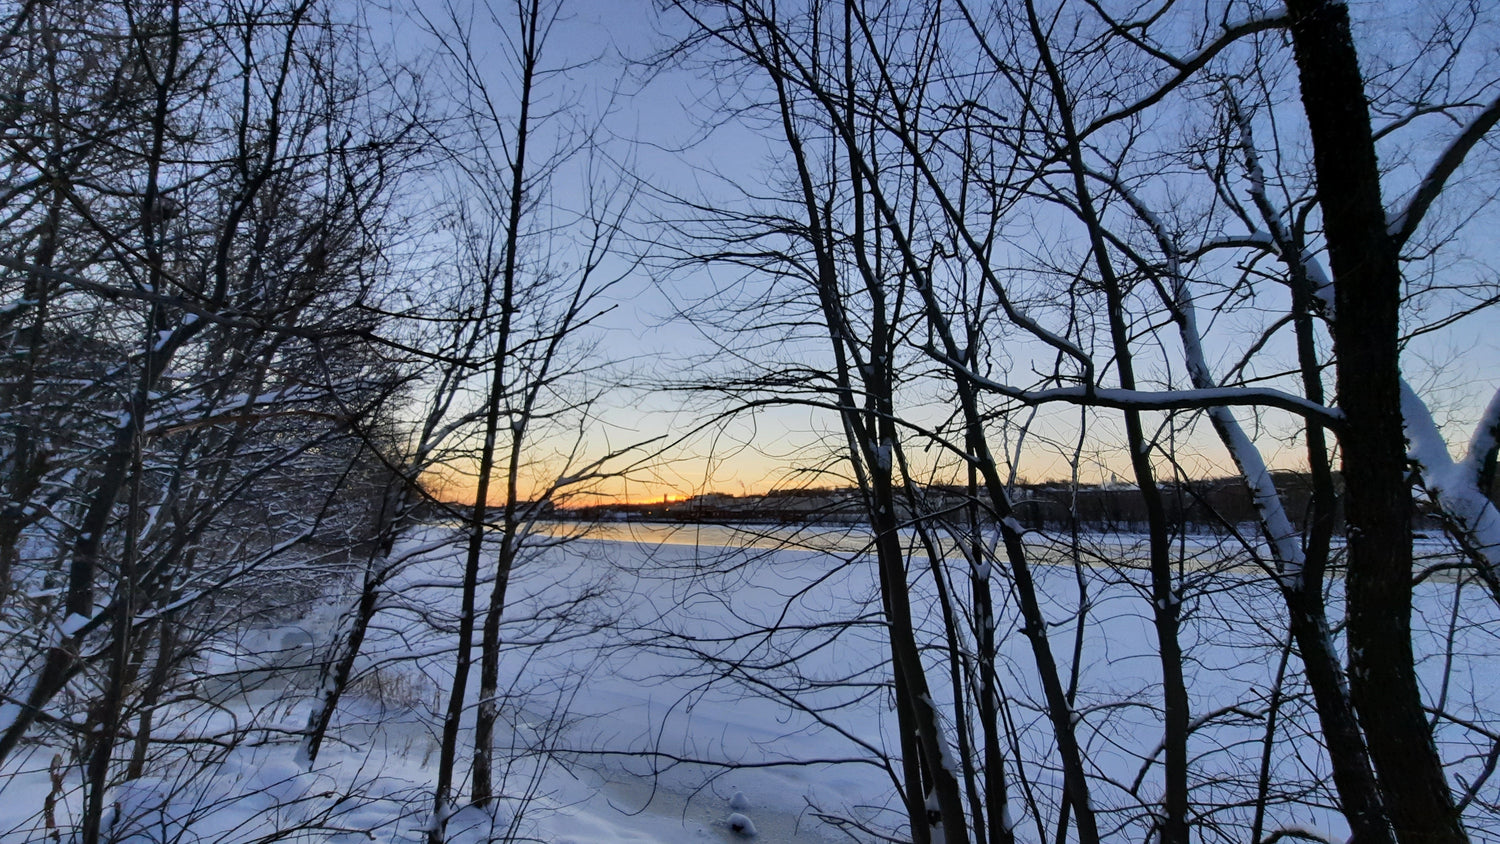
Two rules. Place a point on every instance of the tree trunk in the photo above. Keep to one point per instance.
(483, 787)
(1307, 611)
(1378, 506)
(334, 675)
(1165, 602)
(161, 672)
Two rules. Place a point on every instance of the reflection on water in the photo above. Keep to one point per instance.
(808, 537)
(1119, 550)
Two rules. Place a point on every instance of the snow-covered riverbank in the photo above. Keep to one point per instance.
(659, 692)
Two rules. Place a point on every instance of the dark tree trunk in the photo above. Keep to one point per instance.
(161, 672)
(22, 473)
(484, 729)
(1378, 505)
(1308, 613)
(335, 673)
(1165, 601)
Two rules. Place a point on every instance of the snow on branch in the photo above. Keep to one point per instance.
(195, 412)
(1277, 527)
(1486, 437)
(1119, 399)
(1186, 400)
(1454, 486)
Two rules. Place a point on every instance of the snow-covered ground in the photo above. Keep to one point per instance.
(659, 690)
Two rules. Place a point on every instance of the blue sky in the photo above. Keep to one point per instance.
(657, 127)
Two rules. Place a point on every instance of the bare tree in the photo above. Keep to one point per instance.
(957, 124)
(224, 182)
(1364, 256)
(532, 302)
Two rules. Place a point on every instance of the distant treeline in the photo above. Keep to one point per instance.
(1210, 505)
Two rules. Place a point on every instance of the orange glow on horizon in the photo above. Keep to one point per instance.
(753, 473)
(669, 481)
(459, 489)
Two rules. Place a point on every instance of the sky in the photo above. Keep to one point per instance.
(655, 126)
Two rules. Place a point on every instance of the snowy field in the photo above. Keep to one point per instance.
(667, 686)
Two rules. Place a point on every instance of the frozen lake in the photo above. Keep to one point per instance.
(660, 681)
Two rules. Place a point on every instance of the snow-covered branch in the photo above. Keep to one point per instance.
(1454, 486)
(1195, 399)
